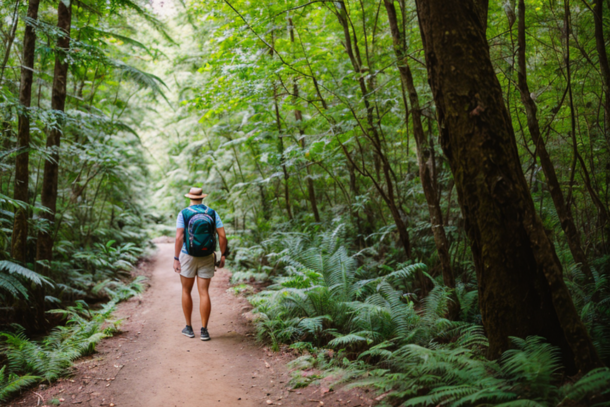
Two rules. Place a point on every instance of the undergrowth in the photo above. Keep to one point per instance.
(366, 326)
(29, 361)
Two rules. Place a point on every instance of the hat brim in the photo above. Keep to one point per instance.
(191, 196)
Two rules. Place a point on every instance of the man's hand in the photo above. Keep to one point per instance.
(177, 267)
(222, 262)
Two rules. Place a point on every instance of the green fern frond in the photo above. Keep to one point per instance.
(11, 383)
(347, 340)
(594, 382)
(16, 269)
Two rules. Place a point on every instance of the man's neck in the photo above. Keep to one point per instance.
(193, 203)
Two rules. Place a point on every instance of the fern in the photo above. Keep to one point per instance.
(12, 276)
(596, 381)
(11, 383)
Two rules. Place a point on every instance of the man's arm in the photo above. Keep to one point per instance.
(222, 241)
(178, 249)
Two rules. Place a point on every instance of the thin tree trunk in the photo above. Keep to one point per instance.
(278, 120)
(424, 159)
(11, 38)
(388, 196)
(298, 115)
(600, 43)
(44, 249)
(520, 280)
(563, 210)
(22, 161)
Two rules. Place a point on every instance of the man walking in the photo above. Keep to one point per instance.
(197, 229)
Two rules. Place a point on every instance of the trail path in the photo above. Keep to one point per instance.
(151, 364)
(170, 369)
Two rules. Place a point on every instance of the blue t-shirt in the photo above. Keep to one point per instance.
(180, 225)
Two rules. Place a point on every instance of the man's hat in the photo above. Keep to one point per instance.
(196, 194)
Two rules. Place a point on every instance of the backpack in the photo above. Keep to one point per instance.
(199, 230)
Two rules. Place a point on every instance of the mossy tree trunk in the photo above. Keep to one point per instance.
(520, 281)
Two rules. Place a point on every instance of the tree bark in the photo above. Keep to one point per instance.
(563, 210)
(424, 158)
(22, 161)
(44, 249)
(520, 281)
(483, 11)
(604, 66)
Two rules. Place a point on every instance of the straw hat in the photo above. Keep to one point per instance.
(196, 194)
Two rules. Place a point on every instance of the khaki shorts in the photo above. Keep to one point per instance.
(202, 267)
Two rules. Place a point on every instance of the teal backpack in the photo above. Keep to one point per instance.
(199, 230)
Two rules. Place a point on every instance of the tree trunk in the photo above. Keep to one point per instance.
(483, 11)
(520, 281)
(424, 157)
(563, 210)
(44, 249)
(600, 43)
(380, 159)
(10, 39)
(278, 121)
(22, 161)
(298, 115)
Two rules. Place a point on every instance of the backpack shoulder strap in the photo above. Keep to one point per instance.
(186, 213)
(212, 214)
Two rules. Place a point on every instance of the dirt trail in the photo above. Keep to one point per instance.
(150, 363)
(173, 370)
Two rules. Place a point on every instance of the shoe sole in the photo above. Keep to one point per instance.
(205, 339)
(188, 336)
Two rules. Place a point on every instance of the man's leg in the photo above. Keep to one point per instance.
(187, 301)
(205, 305)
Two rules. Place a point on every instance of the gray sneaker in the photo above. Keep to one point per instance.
(188, 331)
(205, 335)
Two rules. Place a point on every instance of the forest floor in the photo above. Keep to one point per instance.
(150, 363)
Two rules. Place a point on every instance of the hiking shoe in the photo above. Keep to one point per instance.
(188, 331)
(205, 336)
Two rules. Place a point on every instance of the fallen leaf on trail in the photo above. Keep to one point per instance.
(325, 390)
(61, 400)
(267, 365)
(269, 402)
